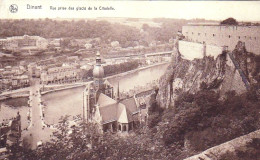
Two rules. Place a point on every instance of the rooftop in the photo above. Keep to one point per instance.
(111, 110)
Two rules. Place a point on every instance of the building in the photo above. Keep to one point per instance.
(55, 42)
(10, 136)
(224, 35)
(2, 43)
(102, 106)
(32, 69)
(25, 43)
(11, 45)
(13, 78)
(64, 74)
(115, 44)
(78, 43)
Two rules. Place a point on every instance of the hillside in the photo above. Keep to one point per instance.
(208, 101)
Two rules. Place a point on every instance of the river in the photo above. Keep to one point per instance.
(69, 102)
(138, 78)
(10, 107)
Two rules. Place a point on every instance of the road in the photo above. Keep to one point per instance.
(36, 131)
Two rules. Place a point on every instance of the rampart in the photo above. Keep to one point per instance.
(192, 50)
(224, 35)
(230, 146)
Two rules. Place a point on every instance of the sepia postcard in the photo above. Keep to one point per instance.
(129, 80)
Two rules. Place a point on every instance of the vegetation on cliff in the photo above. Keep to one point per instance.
(114, 69)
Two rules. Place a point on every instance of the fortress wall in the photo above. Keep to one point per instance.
(213, 51)
(191, 50)
(225, 35)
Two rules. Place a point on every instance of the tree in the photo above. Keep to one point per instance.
(229, 21)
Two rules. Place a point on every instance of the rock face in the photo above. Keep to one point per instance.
(228, 71)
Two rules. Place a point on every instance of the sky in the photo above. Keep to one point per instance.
(211, 10)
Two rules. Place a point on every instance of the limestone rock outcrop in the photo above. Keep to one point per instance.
(228, 71)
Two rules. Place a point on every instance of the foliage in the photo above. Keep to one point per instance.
(87, 142)
(119, 68)
(49, 28)
(203, 120)
(127, 36)
(229, 21)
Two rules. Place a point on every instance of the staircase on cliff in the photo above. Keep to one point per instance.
(241, 72)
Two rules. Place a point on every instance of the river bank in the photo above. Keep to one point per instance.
(15, 94)
(60, 87)
(135, 70)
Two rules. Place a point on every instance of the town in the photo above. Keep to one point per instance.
(33, 67)
(64, 68)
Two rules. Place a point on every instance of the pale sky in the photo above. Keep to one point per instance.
(211, 10)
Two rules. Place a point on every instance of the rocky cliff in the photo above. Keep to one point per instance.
(235, 70)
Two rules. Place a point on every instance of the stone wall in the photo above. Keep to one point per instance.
(214, 51)
(192, 50)
(225, 36)
(230, 146)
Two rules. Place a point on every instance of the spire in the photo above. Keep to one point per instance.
(118, 94)
(98, 71)
(98, 59)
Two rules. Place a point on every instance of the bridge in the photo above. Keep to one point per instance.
(166, 53)
(37, 130)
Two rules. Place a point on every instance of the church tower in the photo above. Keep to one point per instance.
(93, 90)
(98, 74)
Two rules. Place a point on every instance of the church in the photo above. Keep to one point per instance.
(103, 106)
